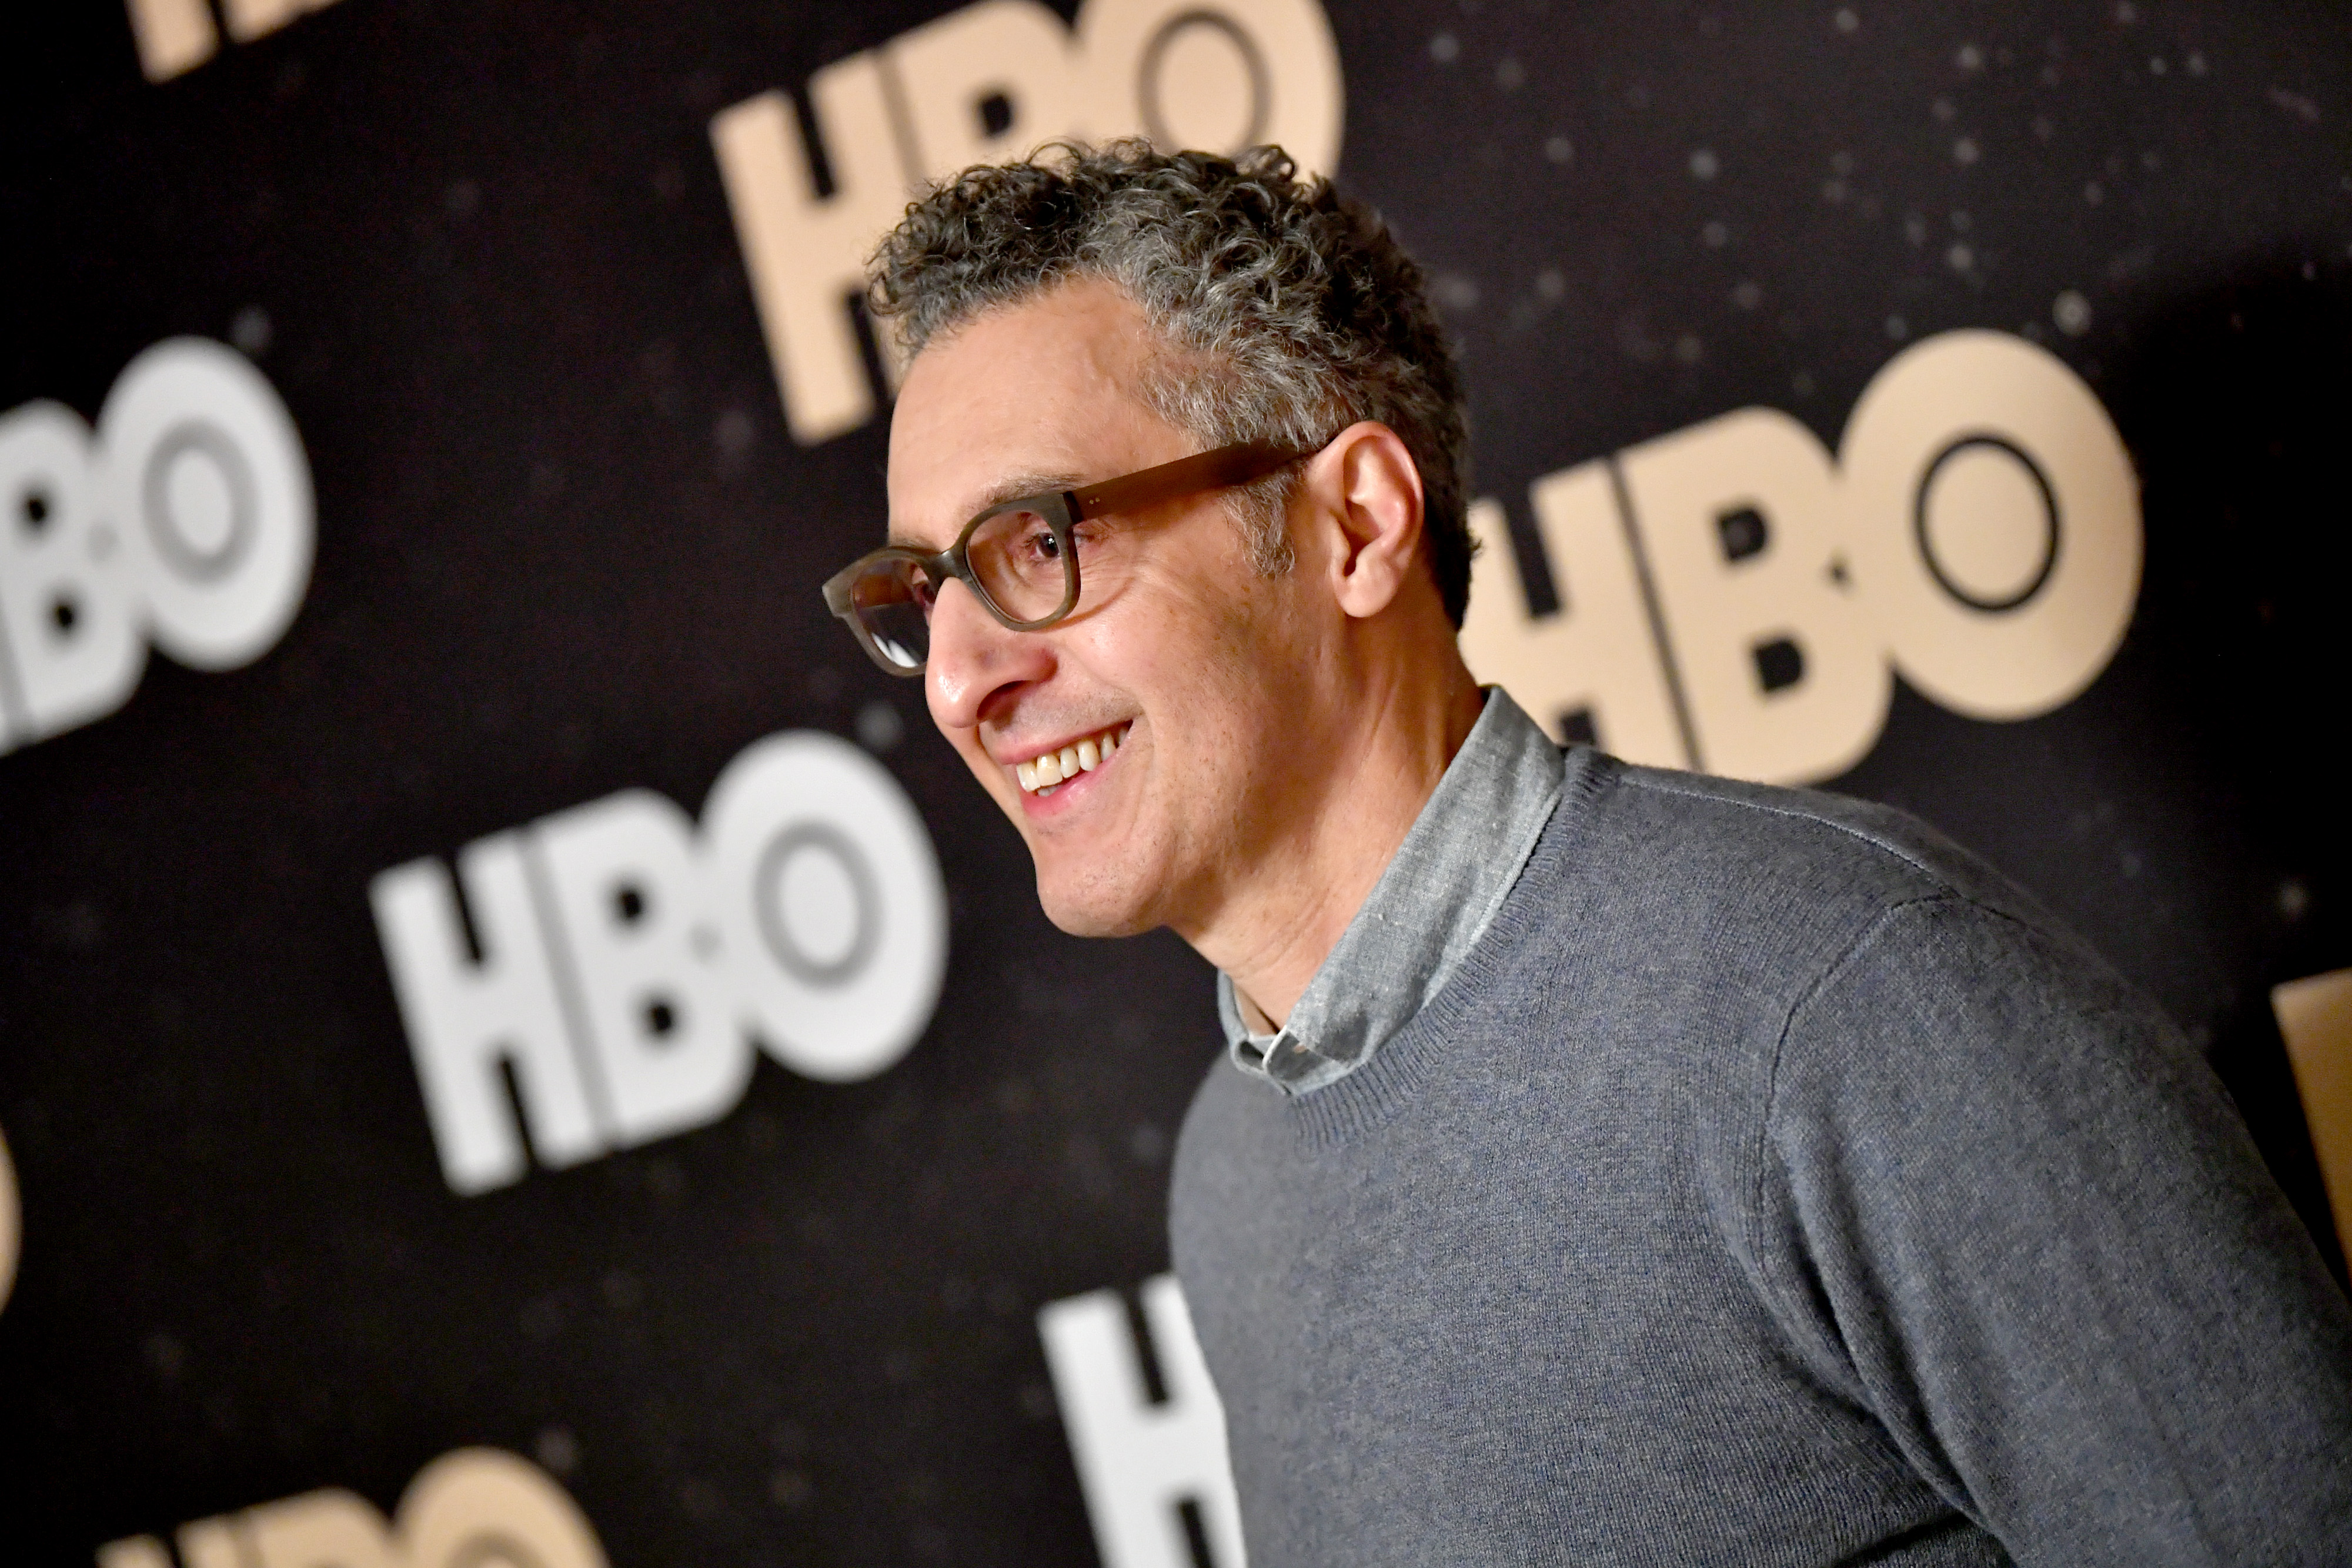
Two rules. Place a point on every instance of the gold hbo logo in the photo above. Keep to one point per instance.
(184, 519)
(624, 964)
(478, 1508)
(981, 85)
(1734, 598)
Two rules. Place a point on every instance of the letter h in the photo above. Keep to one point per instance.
(1140, 1462)
(806, 251)
(466, 1015)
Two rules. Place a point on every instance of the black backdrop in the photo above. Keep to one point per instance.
(565, 546)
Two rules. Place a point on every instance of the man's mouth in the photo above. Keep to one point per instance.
(1040, 775)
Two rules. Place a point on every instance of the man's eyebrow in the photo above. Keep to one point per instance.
(1013, 486)
(1010, 488)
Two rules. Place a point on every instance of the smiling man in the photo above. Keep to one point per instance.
(1607, 1165)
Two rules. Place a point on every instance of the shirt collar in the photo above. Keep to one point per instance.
(1463, 854)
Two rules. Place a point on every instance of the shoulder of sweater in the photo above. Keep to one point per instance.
(1729, 900)
(1872, 855)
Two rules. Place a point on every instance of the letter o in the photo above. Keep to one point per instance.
(1991, 522)
(483, 1508)
(207, 484)
(1181, 71)
(831, 915)
(11, 1220)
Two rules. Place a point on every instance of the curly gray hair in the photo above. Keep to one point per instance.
(1298, 312)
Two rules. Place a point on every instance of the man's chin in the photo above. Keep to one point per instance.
(1092, 909)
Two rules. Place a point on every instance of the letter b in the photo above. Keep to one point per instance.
(629, 900)
(330, 1529)
(1784, 680)
(67, 616)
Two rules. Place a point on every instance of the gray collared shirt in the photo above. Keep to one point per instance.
(1428, 910)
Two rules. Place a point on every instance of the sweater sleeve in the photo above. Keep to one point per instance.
(2004, 1204)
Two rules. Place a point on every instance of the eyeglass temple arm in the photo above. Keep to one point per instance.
(1185, 477)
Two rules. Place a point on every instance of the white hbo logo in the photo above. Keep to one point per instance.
(983, 85)
(186, 519)
(625, 968)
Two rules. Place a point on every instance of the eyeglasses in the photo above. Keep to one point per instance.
(1020, 557)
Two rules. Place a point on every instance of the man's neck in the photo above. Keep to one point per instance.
(1273, 935)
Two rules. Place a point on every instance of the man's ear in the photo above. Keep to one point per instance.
(1368, 490)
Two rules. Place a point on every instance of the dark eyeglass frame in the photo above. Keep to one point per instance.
(1062, 511)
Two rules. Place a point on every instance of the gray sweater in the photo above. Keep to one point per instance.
(1772, 1184)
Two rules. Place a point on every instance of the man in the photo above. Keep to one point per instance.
(1608, 1164)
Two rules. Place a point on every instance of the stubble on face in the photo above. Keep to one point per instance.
(1196, 655)
(1208, 760)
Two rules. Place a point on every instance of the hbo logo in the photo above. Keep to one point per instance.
(981, 85)
(1733, 597)
(625, 966)
(476, 1508)
(186, 519)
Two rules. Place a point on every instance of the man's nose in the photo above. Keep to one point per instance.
(974, 658)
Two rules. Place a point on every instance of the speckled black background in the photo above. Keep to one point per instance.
(565, 546)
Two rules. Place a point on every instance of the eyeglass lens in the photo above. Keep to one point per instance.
(1015, 556)
(893, 602)
(1020, 564)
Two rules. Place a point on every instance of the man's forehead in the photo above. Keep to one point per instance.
(1038, 396)
(949, 478)
(941, 522)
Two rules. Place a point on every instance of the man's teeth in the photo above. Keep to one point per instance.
(1040, 775)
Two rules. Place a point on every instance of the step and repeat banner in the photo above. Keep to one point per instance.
(518, 1047)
